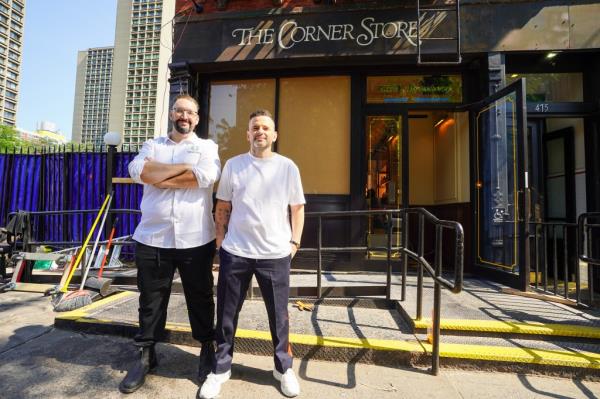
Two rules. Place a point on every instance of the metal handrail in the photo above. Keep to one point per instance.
(547, 231)
(77, 211)
(584, 252)
(435, 272)
(456, 286)
(27, 241)
(585, 230)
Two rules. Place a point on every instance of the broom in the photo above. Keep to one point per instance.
(98, 283)
(76, 299)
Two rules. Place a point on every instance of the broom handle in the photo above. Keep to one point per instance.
(91, 258)
(66, 272)
(112, 234)
(82, 251)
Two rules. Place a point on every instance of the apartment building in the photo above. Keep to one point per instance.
(12, 16)
(133, 98)
(92, 95)
(143, 41)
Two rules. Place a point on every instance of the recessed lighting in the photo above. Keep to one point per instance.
(439, 122)
(551, 55)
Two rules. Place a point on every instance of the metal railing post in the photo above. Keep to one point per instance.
(420, 267)
(577, 271)
(319, 257)
(437, 300)
(388, 287)
(555, 259)
(591, 282)
(404, 253)
(566, 261)
(108, 184)
(545, 238)
(537, 257)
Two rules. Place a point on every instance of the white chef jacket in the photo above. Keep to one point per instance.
(178, 217)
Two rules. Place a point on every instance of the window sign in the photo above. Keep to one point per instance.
(414, 89)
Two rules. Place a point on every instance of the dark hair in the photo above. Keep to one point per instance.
(260, 112)
(187, 97)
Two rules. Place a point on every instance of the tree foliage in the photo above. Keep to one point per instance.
(9, 138)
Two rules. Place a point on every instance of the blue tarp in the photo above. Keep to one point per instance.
(64, 181)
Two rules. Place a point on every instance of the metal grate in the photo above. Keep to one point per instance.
(430, 13)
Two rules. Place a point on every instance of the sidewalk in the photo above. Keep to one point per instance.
(482, 327)
(38, 361)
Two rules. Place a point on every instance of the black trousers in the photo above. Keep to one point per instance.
(273, 277)
(156, 267)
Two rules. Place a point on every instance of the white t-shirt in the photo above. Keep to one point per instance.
(260, 190)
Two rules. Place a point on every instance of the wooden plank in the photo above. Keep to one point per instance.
(122, 180)
(43, 255)
(32, 287)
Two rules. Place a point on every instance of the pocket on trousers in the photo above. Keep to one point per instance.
(145, 255)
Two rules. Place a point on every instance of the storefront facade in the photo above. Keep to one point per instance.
(371, 127)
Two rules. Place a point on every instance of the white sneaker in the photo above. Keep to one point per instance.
(212, 386)
(289, 383)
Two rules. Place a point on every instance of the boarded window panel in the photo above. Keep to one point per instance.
(231, 103)
(314, 131)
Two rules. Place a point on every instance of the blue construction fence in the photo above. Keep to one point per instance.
(69, 177)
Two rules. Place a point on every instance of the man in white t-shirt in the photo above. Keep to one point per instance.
(255, 238)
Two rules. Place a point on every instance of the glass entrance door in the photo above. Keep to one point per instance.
(383, 188)
(499, 182)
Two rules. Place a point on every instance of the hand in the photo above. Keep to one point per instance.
(294, 250)
(161, 184)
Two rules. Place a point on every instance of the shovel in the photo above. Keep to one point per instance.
(99, 284)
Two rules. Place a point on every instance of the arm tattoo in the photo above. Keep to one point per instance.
(222, 219)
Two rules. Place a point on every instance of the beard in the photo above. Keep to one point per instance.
(182, 130)
(260, 144)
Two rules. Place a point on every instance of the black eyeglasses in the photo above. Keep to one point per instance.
(183, 111)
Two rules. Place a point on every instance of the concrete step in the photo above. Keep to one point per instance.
(351, 331)
(533, 330)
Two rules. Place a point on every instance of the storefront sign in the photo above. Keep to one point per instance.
(292, 35)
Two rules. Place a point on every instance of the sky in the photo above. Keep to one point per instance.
(53, 34)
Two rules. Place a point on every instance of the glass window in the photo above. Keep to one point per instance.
(414, 89)
(551, 86)
(384, 164)
(231, 102)
(314, 130)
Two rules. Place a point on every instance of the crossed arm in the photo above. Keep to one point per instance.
(163, 175)
(145, 169)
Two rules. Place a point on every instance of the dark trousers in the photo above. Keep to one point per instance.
(156, 267)
(273, 277)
